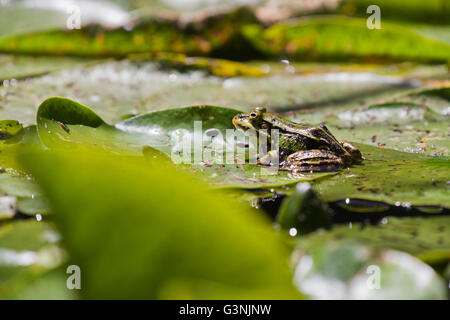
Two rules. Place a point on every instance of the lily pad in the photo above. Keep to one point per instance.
(63, 123)
(348, 270)
(417, 236)
(15, 67)
(343, 38)
(117, 88)
(391, 176)
(414, 121)
(216, 67)
(28, 249)
(154, 257)
(33, 205)
(18, 186)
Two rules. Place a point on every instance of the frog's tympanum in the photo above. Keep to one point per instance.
(302, 147)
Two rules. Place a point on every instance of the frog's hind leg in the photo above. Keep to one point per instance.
(316, 160)
(354, 152)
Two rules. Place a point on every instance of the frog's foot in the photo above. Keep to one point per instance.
(356, 156)
(312, 160)
(270, 159)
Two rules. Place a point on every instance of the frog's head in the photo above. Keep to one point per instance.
(250, 121)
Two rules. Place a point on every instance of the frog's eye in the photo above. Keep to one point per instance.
(253, 115)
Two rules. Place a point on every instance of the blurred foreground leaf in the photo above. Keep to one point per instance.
(136, 229)
(343, 38)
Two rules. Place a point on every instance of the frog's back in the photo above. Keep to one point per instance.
(287, 125)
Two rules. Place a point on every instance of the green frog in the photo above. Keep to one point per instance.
(302, 147)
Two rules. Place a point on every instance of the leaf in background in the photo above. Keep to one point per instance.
(219, 36)
(216, 67)
(27, 251)
(414, 121)
(13, 67)
(341, 38)
(16, 20)
(432, 11)
(424, 237)
(348, 270)
(18, 186)
(19, 17)
(117, 88)
(7, 207)
(132, 232)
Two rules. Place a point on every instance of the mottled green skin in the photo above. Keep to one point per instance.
(302, 147)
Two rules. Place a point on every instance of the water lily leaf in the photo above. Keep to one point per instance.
(250, 176)
(50, 285)
(216, 67)
(153, 256)
(28, 249)
(151, 34)
(416, 236)
(63, 123)
(7, 207)
(394, 113)
(433, 10)
(33, 205)
(15, 67)
(15, 185)
(16, 20)
(414, 121)
(18, 186)
(341, 38)
(391, 176)
(303, 211)
(348, 270)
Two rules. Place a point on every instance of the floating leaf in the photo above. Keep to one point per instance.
(390, 176)
(387, 113)
(343, 38)
(13, 67)
(217, 67)
(348, 270)
(158, 250)
(417, 236)
(118, 88)
(18, 186)
(152, 34)
(33, 205)
(63, 123)
(27, 250)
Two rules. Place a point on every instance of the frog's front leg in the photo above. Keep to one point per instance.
(270, 159)
(312, 160)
